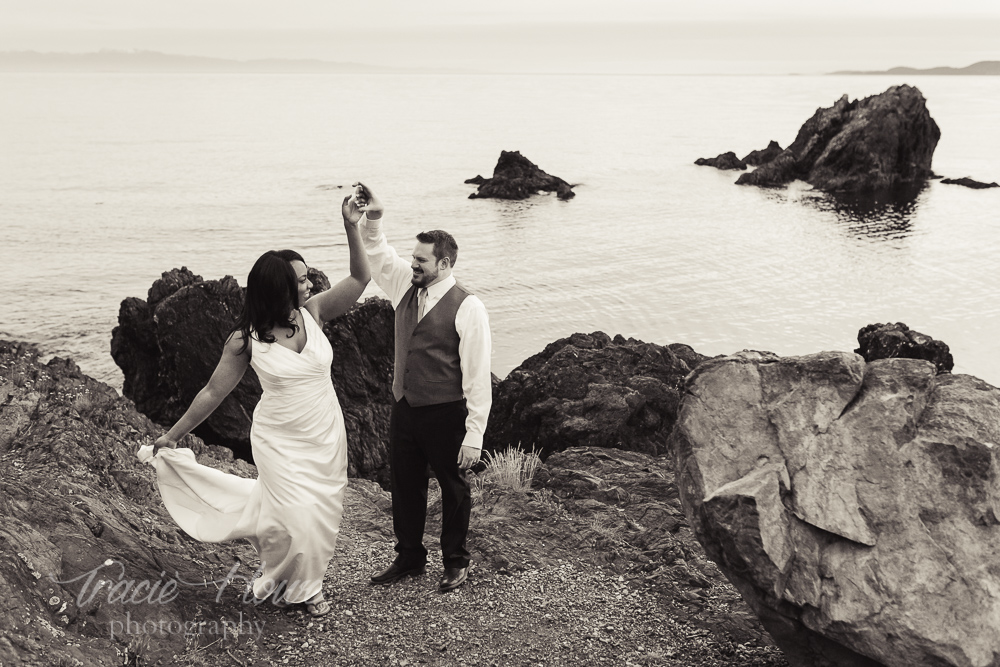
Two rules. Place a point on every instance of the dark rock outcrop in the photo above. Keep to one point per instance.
(82, 519)
(872, 144)
(476, 180)
(891, 341)
(764, 155)
(168, 348)
(854, 506)
(594, 391)
(722, 161)
(363, 354)
(969, 183)
(517, 177)
(169, 345)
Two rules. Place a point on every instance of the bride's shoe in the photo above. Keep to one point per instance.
(317, 605)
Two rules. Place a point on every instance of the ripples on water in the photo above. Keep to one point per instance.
(882, 216)
(108, 180)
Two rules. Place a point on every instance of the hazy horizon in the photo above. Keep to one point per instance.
(634, 37)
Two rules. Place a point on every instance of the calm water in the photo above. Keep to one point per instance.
(107, 180)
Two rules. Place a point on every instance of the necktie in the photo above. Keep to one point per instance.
(421, 303)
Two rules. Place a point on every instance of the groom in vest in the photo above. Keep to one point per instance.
(442, 388)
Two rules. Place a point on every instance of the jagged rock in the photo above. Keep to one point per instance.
(594, 391)
(169, 282)
(722, 161)
(854, 506)
(191, 327)
(135, 351)
(871, 144)
(167, 350)
(764, 155)
(517, 177)
(969, 183)
(75, 501)
(889, 341)
(169, 347)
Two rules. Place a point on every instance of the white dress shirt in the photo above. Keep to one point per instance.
(392, 273)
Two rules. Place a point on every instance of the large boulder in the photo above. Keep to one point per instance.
(872, 144)
(169, 345)
(589, 390)
(168, 348)
(855, 507)
(888, 341)
(517, 177)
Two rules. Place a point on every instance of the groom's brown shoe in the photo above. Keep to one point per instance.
(396, 572)
(452, 578)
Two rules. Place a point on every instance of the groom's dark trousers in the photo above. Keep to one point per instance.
(418, 436)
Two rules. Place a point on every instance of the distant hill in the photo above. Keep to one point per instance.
(984, 68)
(153, 61)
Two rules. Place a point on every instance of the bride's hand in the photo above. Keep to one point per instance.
(368, 201)
(349, 209)
(163, 441)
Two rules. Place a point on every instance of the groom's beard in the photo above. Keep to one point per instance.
(423, 279)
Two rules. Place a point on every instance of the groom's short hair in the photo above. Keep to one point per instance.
(444, 244)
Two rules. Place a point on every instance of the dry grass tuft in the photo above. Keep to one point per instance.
(512, 470)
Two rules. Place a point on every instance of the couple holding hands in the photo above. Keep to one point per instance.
(442, 389)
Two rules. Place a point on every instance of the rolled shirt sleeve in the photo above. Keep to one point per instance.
(474, 350)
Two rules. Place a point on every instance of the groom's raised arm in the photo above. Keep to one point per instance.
(389, 271)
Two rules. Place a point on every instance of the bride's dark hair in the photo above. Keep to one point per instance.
(272, 292)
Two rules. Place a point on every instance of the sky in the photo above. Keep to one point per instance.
(555, 36)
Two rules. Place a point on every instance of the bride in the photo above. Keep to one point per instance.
(291, 513)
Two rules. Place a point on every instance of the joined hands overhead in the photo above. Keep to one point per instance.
(362, 201)
(367, 201)
(350, 210)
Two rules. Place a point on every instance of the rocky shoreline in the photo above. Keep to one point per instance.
(596, 562)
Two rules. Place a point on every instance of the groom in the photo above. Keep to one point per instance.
(442, 387)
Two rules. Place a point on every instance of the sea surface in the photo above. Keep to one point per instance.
(107, 180)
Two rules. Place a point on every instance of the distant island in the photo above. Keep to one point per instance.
(984, 68)
(154, 61)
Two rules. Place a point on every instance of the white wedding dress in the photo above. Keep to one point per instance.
(291, 513)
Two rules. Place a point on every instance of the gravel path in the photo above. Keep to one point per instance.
(566, 613)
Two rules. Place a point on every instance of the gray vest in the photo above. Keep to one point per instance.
(428, 370)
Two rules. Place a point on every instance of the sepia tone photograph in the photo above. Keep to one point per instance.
(533, 333)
